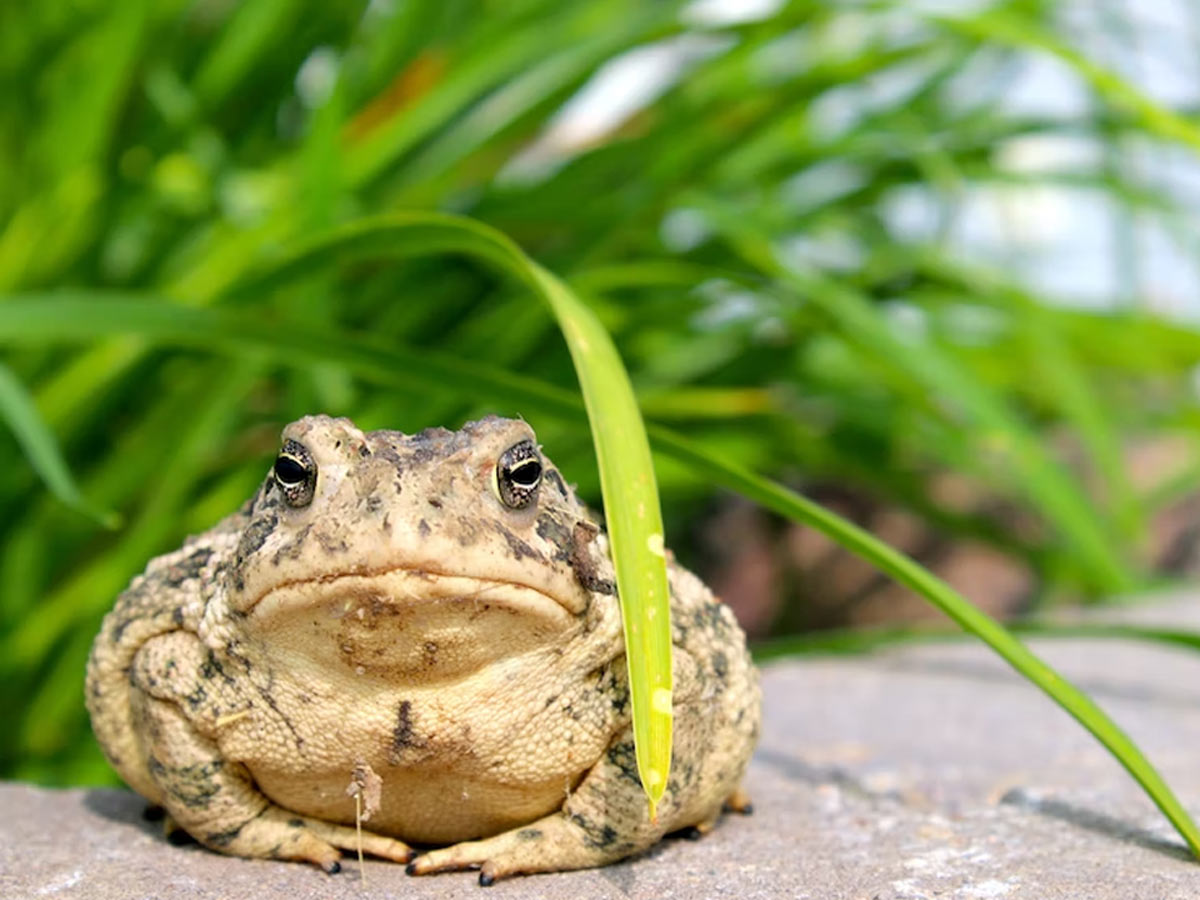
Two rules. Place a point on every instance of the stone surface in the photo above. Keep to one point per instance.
(915, 772)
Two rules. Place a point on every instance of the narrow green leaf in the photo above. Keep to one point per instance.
(1053, 490)
(634, 523)
(1004, 28)
(863, 640)
(41, 449)
(969, 618)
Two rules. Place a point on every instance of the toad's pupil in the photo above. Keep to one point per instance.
(288, 471)
(526, 474)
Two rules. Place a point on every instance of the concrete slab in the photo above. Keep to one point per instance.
(912, 773)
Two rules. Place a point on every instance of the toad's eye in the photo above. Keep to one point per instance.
(518, 474)
(296, 474)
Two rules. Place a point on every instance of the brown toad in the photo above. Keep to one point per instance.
(436, 610)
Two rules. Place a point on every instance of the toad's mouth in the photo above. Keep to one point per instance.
(407, 625)
(401, 587)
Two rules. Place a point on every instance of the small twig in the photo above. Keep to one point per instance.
(362, 869)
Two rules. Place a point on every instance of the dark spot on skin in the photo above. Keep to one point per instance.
(468, 531)
(374, 503)
(609, 684)
(231, 650)
(435, 503)
(520, 550)
(270, 701)
(256, 535)
(429, 444)
(720, 664)
(196, 697)
(253, 538)
(329, 545)
(529, 834)
(423, 528)
(683, 774)
(402, 734)
(549, 701)
(268, 498)
(555, 479)
(296, 823)
(622, 756)
(222, 838)
(556, 533)
(177, 615)
(583, 564)
(599, 836)
(119, 630)
(619, 698)
(711, 617)
(188, 568)
(194, 786)
(211, 668)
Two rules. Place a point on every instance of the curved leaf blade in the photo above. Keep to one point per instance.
(41, 449)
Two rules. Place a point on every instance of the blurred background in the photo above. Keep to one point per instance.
(934, 264)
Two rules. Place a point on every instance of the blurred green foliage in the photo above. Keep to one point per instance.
(735, 231)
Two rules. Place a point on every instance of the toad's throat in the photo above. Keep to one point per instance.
(400, 588)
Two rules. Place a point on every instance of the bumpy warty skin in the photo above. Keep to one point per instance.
(405, 621)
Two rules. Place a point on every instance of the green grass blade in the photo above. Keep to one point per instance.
(1055, 492)
(41, 448)
(84, 315)
(635, 523)
(969, 618)
(1001, 27)
(841, 641)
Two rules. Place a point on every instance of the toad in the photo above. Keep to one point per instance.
(437, 611)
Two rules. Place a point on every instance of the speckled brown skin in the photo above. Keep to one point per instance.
(406, 619)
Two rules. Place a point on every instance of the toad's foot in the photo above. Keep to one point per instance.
(605, 819)
(218, 804)
(555, 843)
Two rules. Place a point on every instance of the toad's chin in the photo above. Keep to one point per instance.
(408, 624)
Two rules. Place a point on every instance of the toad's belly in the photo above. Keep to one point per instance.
(452, 765)
(456, 758)
(421, 806)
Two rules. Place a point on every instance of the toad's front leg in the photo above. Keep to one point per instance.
(215, 800)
